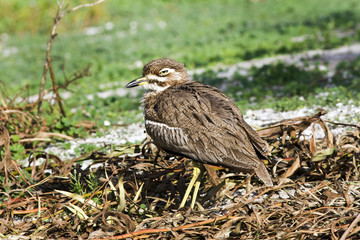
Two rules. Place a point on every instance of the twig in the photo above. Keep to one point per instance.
(6, 163)
(50, 134)
(342, 124)
(352, 225)
(75, 76)
(22, 212)
(85, 5)
(23, 89)
(35, 139)
(53, 34)
(2, 99)
(147, 231)
(55, 87)
(60, 14)
(24, 177)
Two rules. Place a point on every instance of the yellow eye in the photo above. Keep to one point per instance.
(163, 72)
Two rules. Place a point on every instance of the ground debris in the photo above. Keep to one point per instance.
(121, 195)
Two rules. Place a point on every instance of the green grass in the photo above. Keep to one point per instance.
(197, 33)
(284, 86)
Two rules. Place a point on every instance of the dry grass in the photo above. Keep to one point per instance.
(316, 195)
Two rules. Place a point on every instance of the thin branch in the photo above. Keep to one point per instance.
(342, 124)
(53, 34)
(55, 88)
(352, 225)
(85, 5)
(2, 99)
(85, 72)
(60, 14)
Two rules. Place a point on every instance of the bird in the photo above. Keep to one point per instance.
(188, 118)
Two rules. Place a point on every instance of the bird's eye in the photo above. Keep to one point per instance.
(164, 72)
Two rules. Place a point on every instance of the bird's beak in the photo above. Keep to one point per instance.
(137, 82)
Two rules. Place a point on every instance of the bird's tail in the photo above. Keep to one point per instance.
(264, 175)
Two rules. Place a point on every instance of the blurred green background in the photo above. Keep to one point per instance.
(117, 37)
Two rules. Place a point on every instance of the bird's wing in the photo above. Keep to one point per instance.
(233, 116)
(199, 121)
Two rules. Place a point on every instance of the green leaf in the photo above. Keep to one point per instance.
(66, 122)
(66, 145)
(88, 147)
(58, 125)
(321, 155)
(17, 148)
(15, 138)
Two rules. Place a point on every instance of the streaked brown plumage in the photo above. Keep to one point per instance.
(198, 121)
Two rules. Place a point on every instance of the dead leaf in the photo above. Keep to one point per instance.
(290, 171)
(312, 142)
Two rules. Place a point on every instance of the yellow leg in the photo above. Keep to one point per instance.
(195, 180)
(196, 187)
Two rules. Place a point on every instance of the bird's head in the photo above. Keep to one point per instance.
(160, 74)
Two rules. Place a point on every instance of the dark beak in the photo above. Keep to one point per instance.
(137, 82)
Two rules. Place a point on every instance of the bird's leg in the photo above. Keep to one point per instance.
(200, 170)
(196, 179)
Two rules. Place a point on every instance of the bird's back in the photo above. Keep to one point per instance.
(200, 122)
